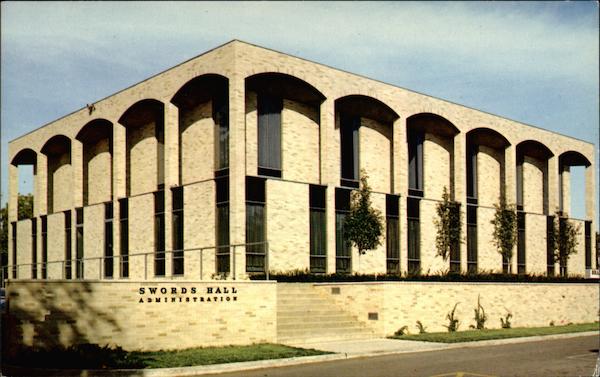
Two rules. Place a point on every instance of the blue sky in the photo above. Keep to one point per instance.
(535, 62)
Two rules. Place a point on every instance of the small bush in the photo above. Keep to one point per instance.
(480, 316)
(83, 356)
(551, 323)
(506, 321)
(304, 276)
(402, 331)
(422, 329)
(452, 322)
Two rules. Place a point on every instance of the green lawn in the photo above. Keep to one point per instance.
(95, 357)
(487, 334)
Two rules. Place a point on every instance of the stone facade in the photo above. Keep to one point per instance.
(170, 315)
(403, 303)
(160, 142)
(118, 313)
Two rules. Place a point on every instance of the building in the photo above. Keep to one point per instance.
(242, 160)
(246, 145)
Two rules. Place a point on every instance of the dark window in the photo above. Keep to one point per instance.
(415, 161)
(550, 245)
(221, 118)
(44, 246)
(108, 241)
(14, 249)
(68, 242)
(124, 237)
(159, 233)
(414, 235)
(255, 224)
(223, 264)
(392, 235)
(343, 251)
(255, 237)
(177, 231)
(79, 243)
(222, 225)
(455, 247)
(34, 248)
(269, 135)
(349, 128)
(472, 171)
(562, 259)
(472, 239)
(318, 235)
(520, 181)
(588, 244)
(520, 244)
(160, 150)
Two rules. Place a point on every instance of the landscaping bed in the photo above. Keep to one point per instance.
(489, 334)
(90, 356)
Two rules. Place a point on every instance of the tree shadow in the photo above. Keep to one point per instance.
(53, 315)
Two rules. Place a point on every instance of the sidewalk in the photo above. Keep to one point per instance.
(346, 349)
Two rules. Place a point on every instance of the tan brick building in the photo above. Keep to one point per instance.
(244, 145)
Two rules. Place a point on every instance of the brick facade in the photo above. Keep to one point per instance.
(153, 150)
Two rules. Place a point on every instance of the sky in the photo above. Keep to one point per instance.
(534, 62)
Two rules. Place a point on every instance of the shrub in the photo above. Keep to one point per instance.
(505, 231)
(402, 331)
(448, 227)
(363, 225)
(480, 316)
(565, 235)
(506, 320)
(452, 321)
(422, 329)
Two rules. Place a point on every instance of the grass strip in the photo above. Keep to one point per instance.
(489, 334)
(91, 356)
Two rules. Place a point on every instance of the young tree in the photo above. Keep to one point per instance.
(505, 231)
(24, 211)
(447, 223)
(363, 225)
(565, 241)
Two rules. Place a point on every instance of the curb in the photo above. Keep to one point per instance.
(272, 363)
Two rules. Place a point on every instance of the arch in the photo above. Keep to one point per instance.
(485, 162)
(535, 149)
(573, 158)
(533, 177)
(144, 147)
(284, 86)
(282, 114)
(568, 178)
(430, 142)
(57, 145)
(142, 112)
(200, 89)
(95, 130)
(432, 123)
(25, 156)
(365, 106)
(59, 173)
(488, 137)
(96, 138)
(203, 104)
(365, 122)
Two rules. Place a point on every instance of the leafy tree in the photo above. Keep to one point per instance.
(25, 211)
(565, 241)
(447, 223)
(505, 230)
(363, 225)
(25, 207)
